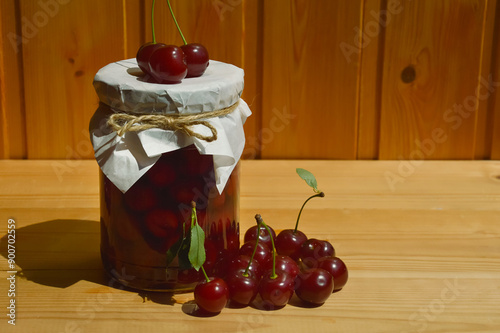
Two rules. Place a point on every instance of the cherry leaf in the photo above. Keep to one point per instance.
(174, 250)
(197, 253)
(309, 178)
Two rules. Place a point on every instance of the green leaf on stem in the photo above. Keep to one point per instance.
(309, 178)
(197, 253)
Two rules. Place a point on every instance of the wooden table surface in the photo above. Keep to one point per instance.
(421, 241)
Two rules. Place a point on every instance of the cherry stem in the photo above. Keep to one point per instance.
(245, 273)
(194, 217)
(261, 222)
(153, 21)
(320, 194)
(175, 21)
(205, 273)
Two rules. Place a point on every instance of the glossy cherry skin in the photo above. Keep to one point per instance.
(167, 64)
(288, 243)
(197, 59)
(284, 264)
(251, 234)
(240, 264)
(278, 291)
(211, 296)
(143, 55)
(313, 249)
(314, 285)
(337, 268)
(242, 289)
(262, 255)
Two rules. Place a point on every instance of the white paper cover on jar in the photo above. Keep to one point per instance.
(122, 87)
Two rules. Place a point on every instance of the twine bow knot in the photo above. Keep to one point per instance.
(123, 122)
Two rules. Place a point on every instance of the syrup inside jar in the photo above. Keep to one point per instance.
(144, 230)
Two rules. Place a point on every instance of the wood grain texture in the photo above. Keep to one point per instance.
(296, 55)
(422, 256)
(60, 62)
(12, 99)
(309, 86)
(371, 47)
(494, 100)
(441, 99)
(485, 88)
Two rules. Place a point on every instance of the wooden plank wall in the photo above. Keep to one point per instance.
(329, 79)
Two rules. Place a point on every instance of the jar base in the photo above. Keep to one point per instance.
(133, 277)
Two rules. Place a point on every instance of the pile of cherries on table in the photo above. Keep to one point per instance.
(306, 267)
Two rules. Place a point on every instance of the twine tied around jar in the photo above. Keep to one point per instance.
(123, 122)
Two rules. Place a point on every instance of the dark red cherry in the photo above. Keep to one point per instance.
(161, 222)
(211, 296)
(264, 237)
(144, 53)
(240, 263)
(314, 285)
(140, 197)
(284, 264)
(167, 64)
(314, 249)
(262, 254)
(337, 268)
(242, 289)
(288, 243)
(162, 173)
(276, 292)
(197, 59)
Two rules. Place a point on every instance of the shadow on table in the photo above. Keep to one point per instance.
(60, 253)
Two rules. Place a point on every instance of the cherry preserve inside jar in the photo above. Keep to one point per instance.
(160, 147)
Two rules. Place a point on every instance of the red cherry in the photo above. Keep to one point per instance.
(167, 64)
(162, 173)
(140, 197)
(211, 256)
(242, 289)
(240, 263)
(197, 59)
(314, 285)
(211, 296)
(337, 268)
(262, 255)
(161, 222)
(288, 243)
(276, 292)
(314, 249)
(251, 234)
(144, 53)
(284, 264)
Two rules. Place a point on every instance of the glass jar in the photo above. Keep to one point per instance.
(140, 227)
(150, 175)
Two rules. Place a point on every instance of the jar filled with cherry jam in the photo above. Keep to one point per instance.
(149, 176)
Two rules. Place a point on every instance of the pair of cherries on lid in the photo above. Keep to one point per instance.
(170, 63)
